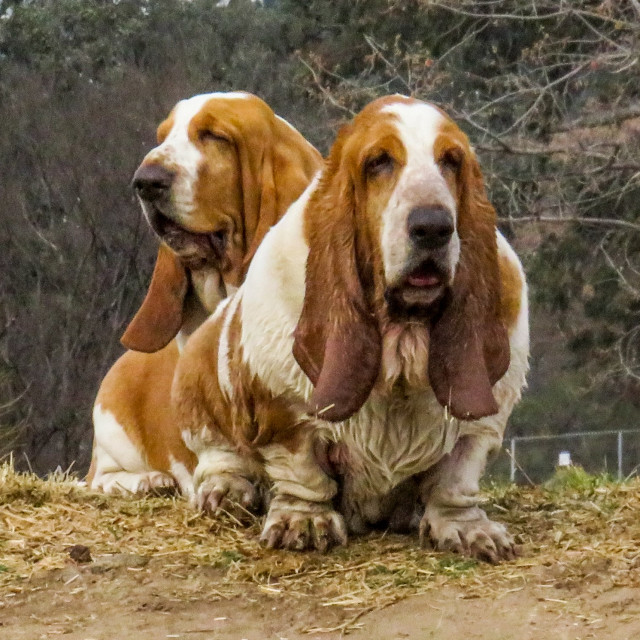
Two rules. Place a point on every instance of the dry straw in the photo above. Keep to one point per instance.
(577, 528)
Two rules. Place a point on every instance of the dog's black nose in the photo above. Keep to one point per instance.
(430, 227)
(152, 181)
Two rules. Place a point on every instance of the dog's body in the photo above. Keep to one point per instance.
(378, 346)
(226, 163)
(379, 343)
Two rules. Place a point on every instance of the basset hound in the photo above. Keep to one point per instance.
(225, 170)
(375, 350)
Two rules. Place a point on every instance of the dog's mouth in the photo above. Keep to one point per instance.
(424, 284)
(426, 277)
(196, 250)
(419, 290)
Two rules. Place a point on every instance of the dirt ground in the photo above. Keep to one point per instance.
(111, 600)
(84, 566)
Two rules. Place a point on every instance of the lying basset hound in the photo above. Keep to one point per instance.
(380, 339)
(225, 170)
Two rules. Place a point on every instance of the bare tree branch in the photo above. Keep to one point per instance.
(598, 222)
(608, 117)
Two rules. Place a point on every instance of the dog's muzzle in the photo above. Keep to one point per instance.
(427, 272)
(429, 228)
(152, 184)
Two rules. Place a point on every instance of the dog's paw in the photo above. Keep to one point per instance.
(297, 525)
(227, 492)
(157, 482)
(468, 531)
(137, 484)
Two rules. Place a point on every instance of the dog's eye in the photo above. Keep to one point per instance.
(380, 164)
(207, 135)
(451, 160)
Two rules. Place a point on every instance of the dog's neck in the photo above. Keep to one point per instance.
(206, 291)
(405, 355)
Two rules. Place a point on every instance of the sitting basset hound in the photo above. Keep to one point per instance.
(225, 170)
(378, 343)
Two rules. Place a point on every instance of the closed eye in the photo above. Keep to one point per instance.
(207, 135)
(379, 164)
(451, 160)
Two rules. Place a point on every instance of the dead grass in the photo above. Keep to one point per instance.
(576, 530)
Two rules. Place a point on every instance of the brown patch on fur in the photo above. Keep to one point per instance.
(261, 418)
(511, 297)
(337, 343)
(263, 168)
(161, 314)
(137, 391)
(253, 417)
(197, 396)
(165, 127)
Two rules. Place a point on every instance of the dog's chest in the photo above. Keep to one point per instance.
(392, 438)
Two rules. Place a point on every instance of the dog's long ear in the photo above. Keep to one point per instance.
(161, 314)
(336, 342)
(469, 344)
(277, 164)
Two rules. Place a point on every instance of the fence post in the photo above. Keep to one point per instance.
(512, 469)
(619, 456)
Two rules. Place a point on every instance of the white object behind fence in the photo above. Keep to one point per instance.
(563, 436)
(564, 459)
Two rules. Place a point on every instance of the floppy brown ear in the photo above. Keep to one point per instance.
(161, 314)
(336, 342)
(469, 344)
(277, 166)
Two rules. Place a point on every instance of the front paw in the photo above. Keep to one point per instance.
(297, 525)
(229, 492)
(468, 531)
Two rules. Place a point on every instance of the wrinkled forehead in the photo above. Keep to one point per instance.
(422, 129)
(208, 105)
(418, 125)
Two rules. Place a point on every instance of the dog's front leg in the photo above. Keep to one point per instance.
(301, 515)
(450, 490)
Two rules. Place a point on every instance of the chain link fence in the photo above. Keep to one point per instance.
(533, 459)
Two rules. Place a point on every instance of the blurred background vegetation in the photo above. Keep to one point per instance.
(548, 91)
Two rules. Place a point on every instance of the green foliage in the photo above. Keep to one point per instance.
(455, 565)
(567, 401)
(229, 557)
(575, 478)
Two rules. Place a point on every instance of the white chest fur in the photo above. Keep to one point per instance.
(393, 437)
(401, 430)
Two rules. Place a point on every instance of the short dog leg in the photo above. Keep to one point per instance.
(301, 515)
(452, 519)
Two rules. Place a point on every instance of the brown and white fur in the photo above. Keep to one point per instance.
(226, 168)
(379, 342)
